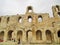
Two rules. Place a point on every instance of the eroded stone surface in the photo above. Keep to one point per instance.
(34, 28)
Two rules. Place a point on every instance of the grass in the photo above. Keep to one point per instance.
(8, 43)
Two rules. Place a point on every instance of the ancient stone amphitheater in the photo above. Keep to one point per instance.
(31, 28)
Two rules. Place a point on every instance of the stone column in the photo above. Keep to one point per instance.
(33, 36)
(24, 37)
(55, 38)
(5, 36)
(15, 35)
(43, 36)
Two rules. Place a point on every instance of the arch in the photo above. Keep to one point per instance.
(58, 33)
(10, 34)
(58, 13)
(57, 7)
(1, 36)
(38, 35)
(19, 36)
(20, 19)
(29, 8)
(29, 19)
(48, 35)
(29, 35)
(39, 18)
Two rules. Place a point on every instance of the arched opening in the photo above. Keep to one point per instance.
(48, 35)
(29, 9)
(29, 35)
(57, 7)
(58, 10)
(2, 36)
(20, 19)
(59, 33)
(29, 19)
(7, 19)
(38, 35)
(10, 35)
(19, 36)
(58, 13)
(39, 18)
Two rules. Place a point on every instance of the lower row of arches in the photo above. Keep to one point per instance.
(48, 33)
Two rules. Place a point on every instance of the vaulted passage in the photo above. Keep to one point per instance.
(29, 35)
(48, 35)
(2, 36)
(10, 35)
(38, 35)
(19, 36)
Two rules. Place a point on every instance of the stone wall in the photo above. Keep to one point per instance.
(35, 28)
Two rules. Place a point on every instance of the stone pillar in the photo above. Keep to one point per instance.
(24, 37)
(43, 36)
(5, 36)
(55, 38)
(33, 36)
(15, 35)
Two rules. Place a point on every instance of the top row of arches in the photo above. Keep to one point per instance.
(29, 18)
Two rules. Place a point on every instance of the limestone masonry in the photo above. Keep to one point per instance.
(34, 28)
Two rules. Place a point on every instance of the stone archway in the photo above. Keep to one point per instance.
(1, 36)
(29, 35)
(10, 35)
(48, 35)
(19, 36)
(38, 35)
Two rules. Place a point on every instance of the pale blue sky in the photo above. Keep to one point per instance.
(13, 7)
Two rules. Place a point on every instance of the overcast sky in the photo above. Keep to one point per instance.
(13, 7)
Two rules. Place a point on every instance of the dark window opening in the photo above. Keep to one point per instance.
(19, 19)
(58, 33)
(48, 35)
(29, 19)
(57, 7)
(10, 35)
(19, 36)
(58, 13)
(2, 36)
(39, 35)
(39, 18)
(30, 9)
(29, 35)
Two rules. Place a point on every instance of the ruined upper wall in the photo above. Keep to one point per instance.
(56, 10)
(23, 19)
